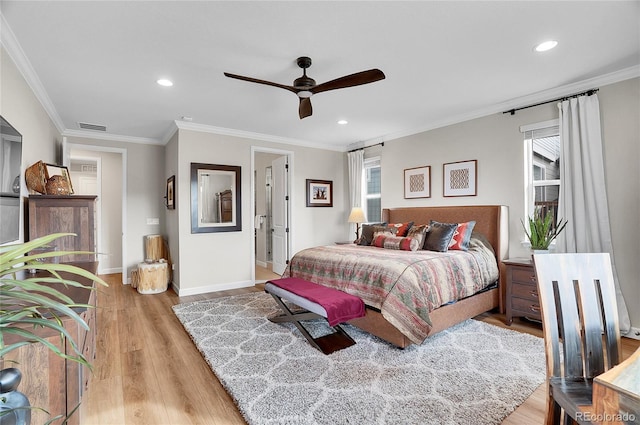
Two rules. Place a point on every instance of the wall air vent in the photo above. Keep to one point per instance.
(95, 127)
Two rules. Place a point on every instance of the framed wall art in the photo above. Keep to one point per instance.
(170, 196)
(417, 182)
(319, 193)
(460, 178)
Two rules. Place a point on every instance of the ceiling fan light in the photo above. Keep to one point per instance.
(303, 94)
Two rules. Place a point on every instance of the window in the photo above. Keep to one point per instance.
(542, 167)
(371, 190)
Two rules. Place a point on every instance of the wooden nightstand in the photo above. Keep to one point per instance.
(521, 290)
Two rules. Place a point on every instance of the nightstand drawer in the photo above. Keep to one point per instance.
(526, 308)
(525, 291)
(523, 275)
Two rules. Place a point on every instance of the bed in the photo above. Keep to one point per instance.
(402, 308)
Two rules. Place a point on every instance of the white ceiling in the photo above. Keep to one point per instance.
(98, 62)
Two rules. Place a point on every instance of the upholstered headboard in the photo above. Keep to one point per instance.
(491, 220)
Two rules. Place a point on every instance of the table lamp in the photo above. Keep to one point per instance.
(357, 216)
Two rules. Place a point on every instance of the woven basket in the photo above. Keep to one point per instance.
(36, 177)
(57, 185)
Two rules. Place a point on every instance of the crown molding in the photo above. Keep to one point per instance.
(543, 96)
(203, 128)
(15, 52)
(87, 134)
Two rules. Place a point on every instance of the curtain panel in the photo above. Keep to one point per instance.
(356, 168)
(583, 194)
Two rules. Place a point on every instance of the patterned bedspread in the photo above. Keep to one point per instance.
(404, 285)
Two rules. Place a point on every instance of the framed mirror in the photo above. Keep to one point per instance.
(10, 181)
(215, 198)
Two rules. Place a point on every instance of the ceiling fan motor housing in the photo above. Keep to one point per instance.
(304, 82)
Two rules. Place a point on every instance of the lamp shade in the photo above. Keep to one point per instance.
(357, 215)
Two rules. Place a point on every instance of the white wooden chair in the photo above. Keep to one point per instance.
(578, 303)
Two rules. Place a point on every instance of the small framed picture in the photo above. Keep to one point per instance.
(319, 193)
(417, 182)
(171, 193)
(460, 178)
(59, 170)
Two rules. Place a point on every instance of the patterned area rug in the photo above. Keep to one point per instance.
(472, 373)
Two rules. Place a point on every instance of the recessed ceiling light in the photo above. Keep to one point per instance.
(164, 82)
(546, 45)
(343, 122)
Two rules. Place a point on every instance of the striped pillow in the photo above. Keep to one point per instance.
(395, 242)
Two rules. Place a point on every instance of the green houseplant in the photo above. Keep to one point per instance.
(542, 229)
(29, 303)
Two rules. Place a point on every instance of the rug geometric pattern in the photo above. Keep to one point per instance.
(472, 373)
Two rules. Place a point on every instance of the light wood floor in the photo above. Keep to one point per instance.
(147, 370)
(265, 273)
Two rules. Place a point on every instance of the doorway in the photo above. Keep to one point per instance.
(271, 212)
(99, 170)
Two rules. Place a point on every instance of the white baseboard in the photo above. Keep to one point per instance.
(633, 333)
(261, 263)
(112, 270)
(211, 288)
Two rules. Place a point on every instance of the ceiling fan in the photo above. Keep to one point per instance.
(305, 86)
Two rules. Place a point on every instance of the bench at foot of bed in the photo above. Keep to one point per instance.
(317, 301)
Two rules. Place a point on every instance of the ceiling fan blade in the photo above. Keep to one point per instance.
(357, 79)
(255, 80)
(305, 109)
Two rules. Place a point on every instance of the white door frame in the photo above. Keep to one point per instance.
(289, 155)
(98, 162)
(67, 147)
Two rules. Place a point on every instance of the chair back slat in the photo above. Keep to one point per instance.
(577, 293)
(607, 293)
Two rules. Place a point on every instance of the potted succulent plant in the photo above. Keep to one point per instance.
(542, 229)
(30, 303)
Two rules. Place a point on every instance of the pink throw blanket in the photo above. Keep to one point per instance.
(339, 305)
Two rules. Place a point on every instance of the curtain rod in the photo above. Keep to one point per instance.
(365, 147)
(585, 93)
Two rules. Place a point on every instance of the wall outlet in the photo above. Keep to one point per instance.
(152, 221)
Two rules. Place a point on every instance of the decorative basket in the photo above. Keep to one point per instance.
(36, 177)
(57, 185)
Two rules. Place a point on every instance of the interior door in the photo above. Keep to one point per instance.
(280, 214)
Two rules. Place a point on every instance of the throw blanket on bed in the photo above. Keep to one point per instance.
(404, 285)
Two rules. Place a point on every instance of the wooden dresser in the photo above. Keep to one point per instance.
(521, 290)
(49, 381)
(65, 214)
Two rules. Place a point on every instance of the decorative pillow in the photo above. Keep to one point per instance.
(401, 228)
(383, 231)
(439, 236)
(418, 233)
(479, 238)
(461, 236)
(395, 242)
(366, 233)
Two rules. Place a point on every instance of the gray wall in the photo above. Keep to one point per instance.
(496, 142)
(217, 261)
(20, 107)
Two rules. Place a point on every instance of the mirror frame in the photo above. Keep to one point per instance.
(195, 224)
